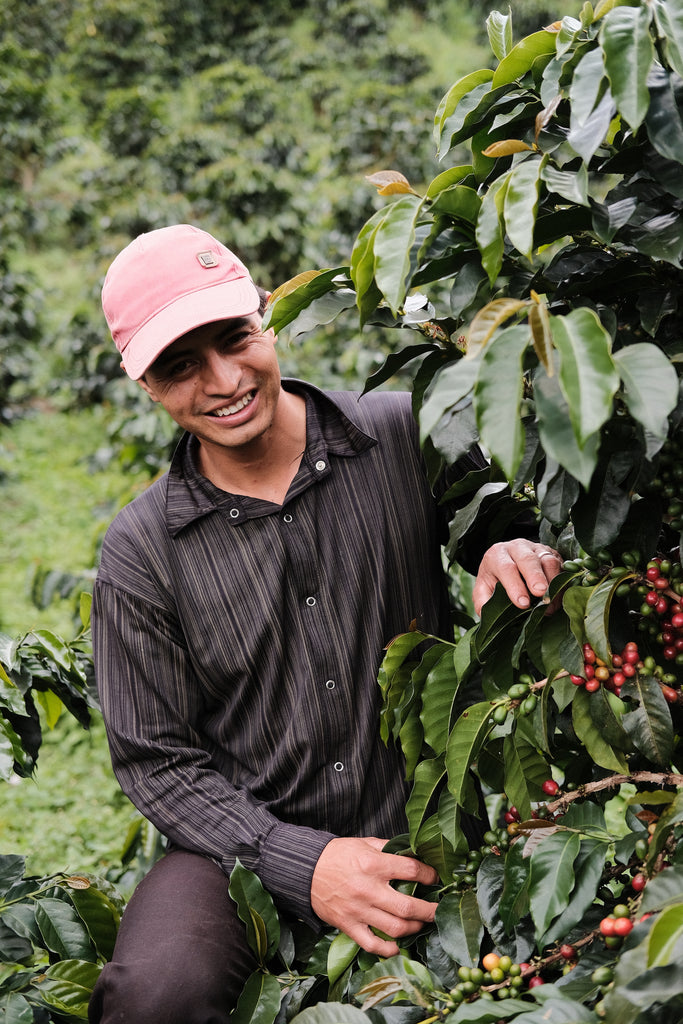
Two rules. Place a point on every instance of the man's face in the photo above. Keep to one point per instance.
(220, 381)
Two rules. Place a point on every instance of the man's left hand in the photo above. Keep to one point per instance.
(523, 568)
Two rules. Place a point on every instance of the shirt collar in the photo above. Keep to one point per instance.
(329, 431)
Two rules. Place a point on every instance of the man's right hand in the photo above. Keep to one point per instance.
(351, 891)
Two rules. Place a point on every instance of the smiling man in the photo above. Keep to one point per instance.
(239, 618)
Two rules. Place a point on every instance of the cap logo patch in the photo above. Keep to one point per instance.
(207, 259)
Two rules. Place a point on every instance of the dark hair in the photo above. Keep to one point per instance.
(263, 299)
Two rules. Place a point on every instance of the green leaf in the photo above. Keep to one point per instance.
(394, 678)
(292, 297)
(259, 1001)
(597, 617)
(498, 397)
(514, 902)
(663, 121)
(450, 386)
(459, 202)
(666, 934)
(490, 232)
(437, 693)
(499, 29)
(393, 242)
(100, 916)
(53, 647)
(362, 269)
(591, 737)
(428, 778)
(63, 931)
(585, 88)
(665, 889)
(571, 185)
(669, 18)
(256, 910)
(629, 52)
(332, 1013)
(588, 376)
(460, 927)
(588, 869)
(651, 385)
(524, 768)
(15, 1009)
(520, 203)
(551, 878)
(523, 57)
(649, 725)
(557, 433)
(464, 743)
(340, 955)
(67, 986)
(453, 98)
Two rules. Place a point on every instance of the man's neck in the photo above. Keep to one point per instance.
(266, 468)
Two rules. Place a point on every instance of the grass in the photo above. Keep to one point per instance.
(71, 815)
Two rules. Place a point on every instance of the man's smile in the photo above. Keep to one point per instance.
(230, 410)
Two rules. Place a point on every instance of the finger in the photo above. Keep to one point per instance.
(407, 869)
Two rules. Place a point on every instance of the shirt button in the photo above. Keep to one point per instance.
(320, 465)
(310, 601)
(338, 766)
(287, 518)
(330, 684)
(234, 513)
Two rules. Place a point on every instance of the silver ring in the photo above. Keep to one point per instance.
(547, 554)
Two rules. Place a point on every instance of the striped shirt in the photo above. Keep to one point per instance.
(237, 643)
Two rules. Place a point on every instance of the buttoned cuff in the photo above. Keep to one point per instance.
(286, 864)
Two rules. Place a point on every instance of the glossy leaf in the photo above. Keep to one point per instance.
(100, 916)
(393, 241)
(67, 986)
(256, 910)
(649, 725)
(588, 376)
(460, 926)
(340, 955)
(523, 56)
(514, 901)
(259, 1000)
(490, 231)
(551, 879)
(437, 692)
(521, 203)
(556, 431)
(499, 29)
(651, 385)
(429, 776)
(571, 185)
(664, 121)
(498, 397)
(591, 737)
(541, 335)
(465, 740)
(669, 18)
(451, 385)
(460, 99)
(63, 931)
(389, 183)
(629, 52)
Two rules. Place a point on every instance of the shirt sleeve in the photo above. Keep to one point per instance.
(153, 707)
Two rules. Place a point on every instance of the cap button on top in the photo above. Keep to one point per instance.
(320, 465)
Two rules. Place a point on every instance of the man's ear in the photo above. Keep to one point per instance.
(145, 387)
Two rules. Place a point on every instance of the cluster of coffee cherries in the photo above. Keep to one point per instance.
(494, 841)
(497, 978)
(612, 676)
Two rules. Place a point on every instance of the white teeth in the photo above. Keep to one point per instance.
(228, 410)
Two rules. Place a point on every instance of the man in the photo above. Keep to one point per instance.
(239, 617)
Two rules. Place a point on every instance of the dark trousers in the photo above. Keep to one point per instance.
(181, 956)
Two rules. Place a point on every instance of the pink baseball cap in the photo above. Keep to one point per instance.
(166, 283)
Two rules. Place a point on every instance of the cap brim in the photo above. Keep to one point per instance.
(217, 302)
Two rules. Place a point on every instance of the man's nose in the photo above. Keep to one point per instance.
(221, 372)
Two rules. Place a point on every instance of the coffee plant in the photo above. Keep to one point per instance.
(540, 277)
(56, 931)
